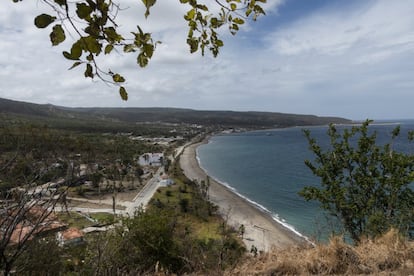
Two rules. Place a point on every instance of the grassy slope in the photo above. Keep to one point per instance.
(199, 215)
(388, 255)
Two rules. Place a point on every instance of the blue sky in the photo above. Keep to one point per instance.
(338, 58)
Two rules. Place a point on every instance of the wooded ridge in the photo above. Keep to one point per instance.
(250, 119)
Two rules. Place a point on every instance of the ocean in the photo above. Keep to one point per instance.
(267, 168)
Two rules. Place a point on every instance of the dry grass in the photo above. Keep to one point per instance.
(388, 255)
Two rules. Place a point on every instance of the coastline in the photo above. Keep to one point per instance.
(261, 229)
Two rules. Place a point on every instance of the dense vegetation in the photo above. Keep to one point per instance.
(180, 231)
(365, 185)
(37, 154)
(101, 119)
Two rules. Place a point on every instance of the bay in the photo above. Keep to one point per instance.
(267, 167)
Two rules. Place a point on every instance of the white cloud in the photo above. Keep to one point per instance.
(384, 24)
(354, 62)
(341, 61)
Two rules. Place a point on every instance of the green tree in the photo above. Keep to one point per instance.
(242, 230)
(146, 241)
(364, 184)
(42, 257)
(93, 26)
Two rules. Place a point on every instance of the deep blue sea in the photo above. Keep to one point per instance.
(267, 167)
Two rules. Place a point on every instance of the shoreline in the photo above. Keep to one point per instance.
(261, 228)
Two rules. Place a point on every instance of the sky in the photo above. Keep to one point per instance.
(347, 58)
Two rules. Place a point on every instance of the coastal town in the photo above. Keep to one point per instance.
(199, 137)
(92, 198)
(74, 189)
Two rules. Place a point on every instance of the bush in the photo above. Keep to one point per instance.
(365, 185)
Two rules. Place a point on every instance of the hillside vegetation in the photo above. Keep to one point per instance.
(390, 254)
(226, 119)
(181, 231)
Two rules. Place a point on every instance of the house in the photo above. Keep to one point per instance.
(70, 236)
(28, 232)
(165, 181)
(151, 159)
(33, 222)
(85, 169)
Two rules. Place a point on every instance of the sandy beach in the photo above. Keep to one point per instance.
(261, 230)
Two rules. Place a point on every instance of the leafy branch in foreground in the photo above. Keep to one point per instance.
(94, 28)
(364, 184)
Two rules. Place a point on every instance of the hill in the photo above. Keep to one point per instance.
(226, 119)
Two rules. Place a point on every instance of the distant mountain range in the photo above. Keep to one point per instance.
(164, 115)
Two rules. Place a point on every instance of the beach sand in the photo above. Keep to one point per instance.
(261, 230)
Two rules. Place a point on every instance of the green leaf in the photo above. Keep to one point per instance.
(238, 20)
(92, 44)
(118, 78)
(140, 30)
(43, 20)
(57, 35)
(89, 71)
(75, 65)
(68, 56)
(148, 4)
(142, 60)
(83, 10)
(129, 48)
(259, 10)
(108, 48)
(411, 136)
(219, 43)
(146, 37)
(190, 14)
(123, 93)
(193, 43)
(235, 27)
(93, 30)
(76, 50)
(102, 6)
(148, 50)
(396, 131)
(92, 4)
(112, 34)
(202, 7)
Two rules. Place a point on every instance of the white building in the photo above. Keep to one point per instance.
(166, 182)
(151, 159)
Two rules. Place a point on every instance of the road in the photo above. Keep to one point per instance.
(141, 199)
(145, 195)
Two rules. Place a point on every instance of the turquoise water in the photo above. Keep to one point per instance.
(267, 168)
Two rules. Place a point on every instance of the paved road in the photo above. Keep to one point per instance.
(88, 210)
(141, 199)
(145, 195)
